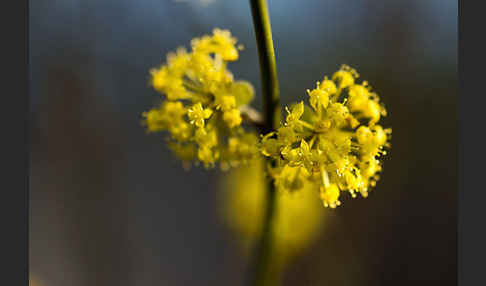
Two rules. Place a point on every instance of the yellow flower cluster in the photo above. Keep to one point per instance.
(202, 112)
(334, 144)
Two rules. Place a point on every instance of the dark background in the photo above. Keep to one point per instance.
(110, 205)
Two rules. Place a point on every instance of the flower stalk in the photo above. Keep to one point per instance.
(268, 66)
(263, 273)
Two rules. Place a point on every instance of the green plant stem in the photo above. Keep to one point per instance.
(268, 66)
(262, 272)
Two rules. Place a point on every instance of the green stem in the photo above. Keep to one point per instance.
(268, 67)
(263, 272)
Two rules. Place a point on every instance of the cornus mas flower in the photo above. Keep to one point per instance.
(332, 145)
(202, 107)
(335, 144)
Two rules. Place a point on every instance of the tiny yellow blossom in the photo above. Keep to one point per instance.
(232, 117)
(270, 146)
(181, 131)
(287, 134)
(358, 97)
(154, 120)
(328, 86)
(197, 114)
(169, 113)
(364, 135)
(241, 150)
(299, 156)
(330, 196)
(207, 156)
(345, 76)
(318, 98)
(165, 81)
(206, 138)
(227, 102)
(295, 113)
(221, 43)
(373, 111)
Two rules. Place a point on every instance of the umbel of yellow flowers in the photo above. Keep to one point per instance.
(334, 144)
(201, 112)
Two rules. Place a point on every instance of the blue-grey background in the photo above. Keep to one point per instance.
(111, 206)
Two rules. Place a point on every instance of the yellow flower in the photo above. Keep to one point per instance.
(154, 120)
(221, 43)
(330, 195)
(364, 135)
(169, 83)
(318, 98)
(345, 76)
(181, 131)
(179, 61)
(328, 86)
(169, 113)
(226, 102)
(197, 114)
(205, 138)
(207, 156)
(241, 150)
(270, 146)
(232, 118)
(295, 113)
(287, 134)
(299, 156)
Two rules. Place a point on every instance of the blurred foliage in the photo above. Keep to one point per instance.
(299, 215)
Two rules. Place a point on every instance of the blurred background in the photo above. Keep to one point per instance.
(110, 205)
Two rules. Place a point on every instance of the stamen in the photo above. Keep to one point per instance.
(305, 124)
(325, 177)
